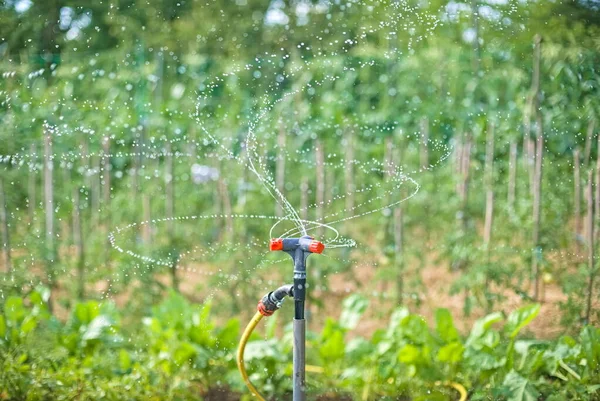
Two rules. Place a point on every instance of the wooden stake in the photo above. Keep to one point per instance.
(588, 143)
(169, 189)
(399, 241)
(597, 198)
(320, 196)
(31, 185)
(49, 211)
(489, 178)
(4, 225)
(512, 177)
(424, 143)
(304, 198)
(537, 204)
(147, 228)
(577, 196)
(79, 244)
(349, 172)
(590, 243)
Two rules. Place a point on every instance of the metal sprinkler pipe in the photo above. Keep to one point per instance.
(299, 249)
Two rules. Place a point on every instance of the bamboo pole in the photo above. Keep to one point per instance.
(590, 243)
(4, 225)
(280, 169)
(537, 205)
(577, 196)
(512, 177)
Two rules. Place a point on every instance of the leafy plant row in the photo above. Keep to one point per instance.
(178, 352)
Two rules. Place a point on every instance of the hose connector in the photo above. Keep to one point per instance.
(273, 300)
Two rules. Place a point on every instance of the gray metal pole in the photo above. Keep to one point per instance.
(299, 393)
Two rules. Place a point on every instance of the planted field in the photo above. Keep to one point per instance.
(303, 200)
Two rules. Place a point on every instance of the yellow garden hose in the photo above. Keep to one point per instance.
(240, 354)
(457, 386)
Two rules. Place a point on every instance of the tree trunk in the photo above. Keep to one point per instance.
(577, 197)
(512, 177)
(79, 244)
(5, 229)
(590, 243)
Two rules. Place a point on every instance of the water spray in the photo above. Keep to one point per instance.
(299, 249)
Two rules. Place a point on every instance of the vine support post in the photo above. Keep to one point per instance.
(590, 245)
(512, 177)
(79, 243)
(320, 196)
(50, 256)
(577, 196)
(4, 226)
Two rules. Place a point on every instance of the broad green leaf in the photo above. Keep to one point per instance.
(415, 329)
(519, 388)
(482, 325)
(397, 316)
(227, 337)
(2, 326)
(521, 318)
(332, 340)
(451, 353)
(124, 360)
(96, 328)
(353, 308)
(183, 353)
(29, 323)
(409, 354)
(590, 341)
(444, 325)
(14, 310)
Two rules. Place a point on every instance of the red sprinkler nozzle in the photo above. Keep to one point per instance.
(316, 247)
(276, 244)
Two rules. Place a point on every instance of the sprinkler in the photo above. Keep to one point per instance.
(299, 249)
